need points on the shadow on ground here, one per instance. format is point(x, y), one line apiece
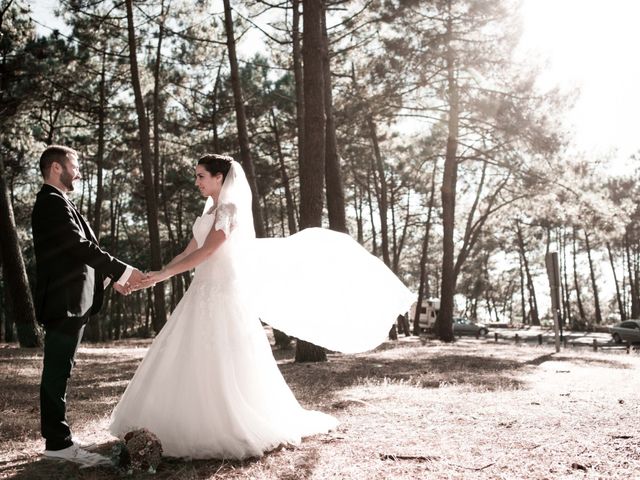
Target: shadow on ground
point(170, 468)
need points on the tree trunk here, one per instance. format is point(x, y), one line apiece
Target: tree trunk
point(383, 197)
point(533, 301)
point(160, 316)
point(523, 303)
point(424, 254)
point(444, 324)
point(371, 219)
point(298, 76)
point(575, 279)
point(594, 284)
point(291, 216)
point(13, 268)
point(357, 208)
point(333, 170)
point(400, 242)
point(241, 120)
point(623, 317)
point(102, 114)
point(156, 101)
point(565, 287)
point(312, 160)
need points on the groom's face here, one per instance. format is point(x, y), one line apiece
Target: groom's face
point(70, 172)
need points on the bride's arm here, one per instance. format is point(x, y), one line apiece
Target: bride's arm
point(193, 245)
point(195, 257)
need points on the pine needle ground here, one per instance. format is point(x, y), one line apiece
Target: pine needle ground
point(409, 410)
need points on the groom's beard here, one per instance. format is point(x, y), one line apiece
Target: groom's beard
point(66, 179)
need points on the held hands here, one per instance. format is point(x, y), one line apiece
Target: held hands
point(154, 277)
point(139, 280)
point(151, 278)
point(135, 278)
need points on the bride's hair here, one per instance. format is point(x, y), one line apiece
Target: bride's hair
point(214, 164)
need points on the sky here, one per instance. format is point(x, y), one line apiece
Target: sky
point(592, 45)
point(588, 45)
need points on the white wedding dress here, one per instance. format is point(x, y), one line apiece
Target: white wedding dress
point(209, 386)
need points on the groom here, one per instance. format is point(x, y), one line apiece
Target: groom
point(72, 272)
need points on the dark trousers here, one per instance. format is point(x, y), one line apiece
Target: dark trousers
point(60, 345)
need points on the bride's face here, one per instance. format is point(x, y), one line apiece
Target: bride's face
point(209, 185)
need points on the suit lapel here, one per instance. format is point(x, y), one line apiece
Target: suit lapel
point(80, 221)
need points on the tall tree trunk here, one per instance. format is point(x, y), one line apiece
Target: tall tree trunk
point(13, 268)
point(533, 301)
point(241, 120)
point(615, 281)
point(383, 205)
point(358, 210)
point(444, 322)
point(312, 160)
point(102, 114)
point(400, 242)
point(298, 76)
point(371, 219)
point(523, 303)
point(156, 101)
point(424, 254)
point(214, 110)
point(291, 216)
point(594, 284)
point(333, 170)
point(160, 316)
point(566, 299)
point(575, 278)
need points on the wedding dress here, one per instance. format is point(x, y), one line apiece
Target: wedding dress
point(209, 386)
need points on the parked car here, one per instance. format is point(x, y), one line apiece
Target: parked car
point(464, 326)
point(627, 331)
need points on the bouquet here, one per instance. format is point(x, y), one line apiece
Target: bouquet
point(141, 451)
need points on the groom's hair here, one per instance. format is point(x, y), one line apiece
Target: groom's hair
point(54, 153)
point(215, 164)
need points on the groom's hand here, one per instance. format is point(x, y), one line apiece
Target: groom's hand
point(135, 279)
point(121, 289)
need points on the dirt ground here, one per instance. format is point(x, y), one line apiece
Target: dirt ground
point(409, 410)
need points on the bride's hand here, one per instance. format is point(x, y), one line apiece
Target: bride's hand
point(149, 280)
point(154, 277)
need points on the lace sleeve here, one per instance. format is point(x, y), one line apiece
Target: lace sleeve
point(225, 218)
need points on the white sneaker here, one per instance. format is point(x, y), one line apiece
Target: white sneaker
point(83, 444)
point(78, 455)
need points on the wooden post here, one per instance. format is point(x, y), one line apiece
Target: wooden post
point(564, 341)
point(495, 336)
point(539, 339)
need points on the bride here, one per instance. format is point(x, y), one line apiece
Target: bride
point(209, 386)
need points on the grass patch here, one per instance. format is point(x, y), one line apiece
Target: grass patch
point(470, 410)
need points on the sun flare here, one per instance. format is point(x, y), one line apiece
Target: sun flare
point(591, 45)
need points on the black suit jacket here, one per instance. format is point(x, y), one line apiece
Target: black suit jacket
point(70, 266)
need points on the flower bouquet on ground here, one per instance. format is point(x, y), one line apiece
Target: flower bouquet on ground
point(141, 451)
